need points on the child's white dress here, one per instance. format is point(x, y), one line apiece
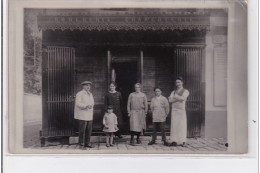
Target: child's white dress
point(110, 123)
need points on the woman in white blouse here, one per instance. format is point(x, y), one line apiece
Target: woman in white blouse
point(178, 99)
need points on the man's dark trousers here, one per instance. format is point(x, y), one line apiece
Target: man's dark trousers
point(85, 130)
point(162, 128)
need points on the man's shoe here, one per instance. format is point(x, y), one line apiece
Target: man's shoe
point(89, 146)
point(166, 143)
point(138, 141)
point(173, 144)
point(81, 147)
point(151, 143)
point(132, 142)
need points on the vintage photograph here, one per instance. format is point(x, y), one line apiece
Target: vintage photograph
point(122, 80)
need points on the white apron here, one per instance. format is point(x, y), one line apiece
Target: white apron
point(179, 119)
point(178, 126)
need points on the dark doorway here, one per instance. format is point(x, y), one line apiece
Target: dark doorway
point(126, 77)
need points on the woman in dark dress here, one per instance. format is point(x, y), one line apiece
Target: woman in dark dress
point(114, 98)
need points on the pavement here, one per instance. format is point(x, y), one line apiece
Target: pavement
point(32, 126)
point(194, 145)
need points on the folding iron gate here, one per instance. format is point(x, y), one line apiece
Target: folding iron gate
point(58, 68)
point(188, 64)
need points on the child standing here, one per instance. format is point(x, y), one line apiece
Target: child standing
point(110, 125)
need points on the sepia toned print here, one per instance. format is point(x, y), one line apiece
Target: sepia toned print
point(161, 72)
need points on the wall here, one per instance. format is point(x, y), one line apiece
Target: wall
point(149, 76)
point(158, 71)
point(164, 71)
point(238, 81)
point(91, 64)
point(215, 77)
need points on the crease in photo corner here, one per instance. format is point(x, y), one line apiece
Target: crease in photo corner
point(208, 132)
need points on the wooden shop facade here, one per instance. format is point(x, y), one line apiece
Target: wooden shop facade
point(150, 46)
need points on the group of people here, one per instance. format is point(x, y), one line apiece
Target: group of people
point(137, 108)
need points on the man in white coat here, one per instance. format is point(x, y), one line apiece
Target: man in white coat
point(83, 112)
